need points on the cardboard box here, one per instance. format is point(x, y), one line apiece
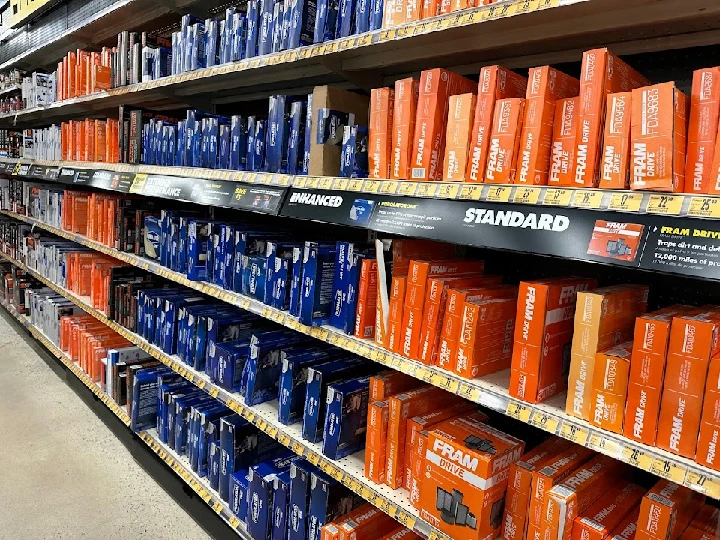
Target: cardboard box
point(609, 387)
point(543, 334)
point(391, 382)
point(659, 135)
point(403, 128)
point(693, 342)
point(457, 138)
point(577, 492)
point(706, 520)
point(602, 73)
point(647, 371)
point(627, 529)
point(616, 142)
point(519, 492)
point(701, 163)
point(367, 525)
point(604, 318)
point(436, 87)
point(380, 132)
point(709, 432)
point(505, 141)
point(366, 309)
point(376, 440)
point(609, 511)
point(666, 510)
point(562, 159)
point(329, 105)
point(458, 451)
point(545, 86)
point(495, 83)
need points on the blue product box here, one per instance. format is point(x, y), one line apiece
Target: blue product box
point(345, 20)
point(253, 276)
point(211, 42)
point(204, 142)
point(213, 131)
point(183, 419)
point(277, 24)
point(296, 140)
point(223, 147)
point(213, 245)
point(259, 143)
point(326, 20)
point(151, 237)
point(238, 498)
point(248, 242)
point(293, 377)
point(342, 254)
point(354, 152)
point(260, 491)
point(239, 37)
point(308, 134)
point(238, 143)
point(224, 328)
point(351, 296)
point(265, 26)
point(172, 145)
point(362, 15)
point(175, 53)
point(170, 317)
point(253, 19)
point(295, 289)
point(188, 325)
point(376, 14)
point(280, 284)
point(185, 25)
point(180, 144)
point(200, 417)
point(167, 384)
point(275, 251)
point(281, 499)
point(231, 358)
point(227, 255)
point(214, 465)
point(250, 154)
point(278, 133)
point(263, 366)
point(192, 394)
point(319, 377)
point(330, 126)
point(197, 46)
point(300, 472)
point(302, 25)
point(209, 431)
point(329, 500)
point(198, 234)
point(233, 431)
point(286, 24)
point(144, 399)
point(199, 354)
point(346, 418)
point(317, 280)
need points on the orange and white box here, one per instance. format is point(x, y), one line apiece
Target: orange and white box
point(391, 382)
point(562, 160)
point(463, 491)
point(519, 492)
point(616, 142)
point(702, 131)
point(495, 83)
point(369, 524)
point(395, 316)
point(403, 128)
point(401, 533)
point(543, 334)
point(647, 371)
point(380, 132)
point(659, 136)
point(609, 387)
point(693, 342)
point(604, 318)
point(366, 300)
point(376, 440)
point(609, 511)
point(577, 492)
point(485, 343)
point(627, 528)
point(505, 141)
point(457, 138)
point(666, 510)
point(707, 450)
point(615, 240)
point(707, 521)
point(405, 250)
point(436, 87)
point(602, 73)
point(545, 86)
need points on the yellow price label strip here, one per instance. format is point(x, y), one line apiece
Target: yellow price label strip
point(448, 191)
point(527, 194)
point(471, 191)
point(702, 483)
point(636, 457)
point(601, 443)
point(519, 411)
point(427, 189)
point(557, 197)
point(545, 421)
point(669, 205)
point(668, 469)
point(312, 182)
point(576, 434)
point(355, 185)
point(498, 193)
point(625, 202)
point(389, 187)
point(704, 207)
point(325, 182)
point(371, 186)
point(585, 198)
point(407, 189)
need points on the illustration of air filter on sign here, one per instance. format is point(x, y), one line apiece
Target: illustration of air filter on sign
point(615, 240)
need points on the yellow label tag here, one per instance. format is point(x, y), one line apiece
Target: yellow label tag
point(576, 434)
point(340, 184)
point(527, 194)
point(448, 191)
point(234, 522)
point(389, 187)
point(471, 191)
point(545, 4)
point(498, 193)
point(407, 188)
point(355, 184)
point(704, 207)
point(524, 6)
point(545, 421)
point(312, 182)
point(299, 181)
point(138, 183)
point(407, 520)
point(585, 198)
point(626, 202)
point(371, 186)
point(669, 205)
point(427, 189)
point(363, 40)
point(325, 182)
point(703, 484)
point(668, 469)
point(519, 411)
point(601, 443)
point(313, 458)
point(636, 457)
point(557, 197)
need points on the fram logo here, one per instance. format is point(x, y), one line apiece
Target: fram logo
point(448, 451)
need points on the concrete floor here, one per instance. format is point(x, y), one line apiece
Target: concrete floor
point(64, 473)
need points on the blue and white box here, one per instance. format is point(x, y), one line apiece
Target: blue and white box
point(302, 26)
point(354, 152)
point(329, 499)
point(318, 271)
point(238, 143)
point(296, 140)
point(260, 493)
point(281, 500)
point(300, 472)
point(253, 19)
point(346, 418)
point(238, 499)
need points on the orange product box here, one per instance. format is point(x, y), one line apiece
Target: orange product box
point(403, 127)
point(100, 78)
point(519, 492)
point(609, 511)
point(436, 87)
point(80, 140)
point(700, 162)
point(505, 141)
point(693, 342)
point(706, 453)
point(495, 83)
point(418, 467)
point(430, 8)
point(391, 382)
point(545, 86)
point(602, 73)
point(627, 528)
point(564, 502)
point(405, 250)
point(466, 477)
point(666, 510)
point(81, 72)
point(71, 76)
point(616, 142)
point(64, 141)
point(647, 371)
point(609, 387)
point(706, 521)
point(79, 214)
point(380, 132)
point(88, 150)
point(615, 240)
point(659, 134)
point(562, 162)
point(366, 299)
point(543, 332)
point(403, 406)
point(59, 91)
point(366, 525)
point(604, 318)
point(100, 144)
point(401, 533)
point(457, 138)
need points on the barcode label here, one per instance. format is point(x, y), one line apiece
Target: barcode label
point(418, 173)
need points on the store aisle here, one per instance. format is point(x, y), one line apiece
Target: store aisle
point(64, 473)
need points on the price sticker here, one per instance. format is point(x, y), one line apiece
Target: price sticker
point(625, 202)
point(546, 4)
point(325, 182)
point(602, 444)
point(669, 205)
point(704, 207)
point(426, 189)
point(519, 411)
point(557, 197)
point(545, 421)
point(407, 520)
point(389, 187)
point(355, 185)
point(443, 381)
point(299, 181)
point(527, 195)
point(471, 191)
point(668, 469)
point(576, 434)
point(407, 189)
point(340, 184)
point(525, 6)
point(585, 198)
point(283, 439)
point(234, 522)
point(214, 392)
point(448, 191)
point(498, 193)
point(313, 182)
point(297, 448)
point(371, 186)
point(702, 483)
point(637, 458)
point(217, 507)
point(423, 373)
point(313, 458)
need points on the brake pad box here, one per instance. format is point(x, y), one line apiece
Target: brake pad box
point(466, 476)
